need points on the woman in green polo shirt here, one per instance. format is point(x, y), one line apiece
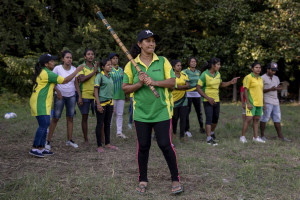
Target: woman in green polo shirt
point(148, 111)
point(208, 86)
point(104, 91)
point(41, 99)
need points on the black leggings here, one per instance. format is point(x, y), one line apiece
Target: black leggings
point(105, 118)
point(197, 105)
point(211, 112)
point(182, 113)
point(163, 137)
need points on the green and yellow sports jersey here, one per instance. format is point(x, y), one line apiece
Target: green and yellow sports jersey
point(106, 86)
point(117, 77)
point(193, 78)
point(255, 88)
point(179, 96)
point(87, 87)
point(146, 107)
point(210, 85)
point(42, 95)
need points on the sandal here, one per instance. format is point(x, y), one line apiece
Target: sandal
point(141, 188)
point(177, 189)
point(111, 147)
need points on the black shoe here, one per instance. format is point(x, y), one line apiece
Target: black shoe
point(212, 142)
point(213, 136)
point(202, 130)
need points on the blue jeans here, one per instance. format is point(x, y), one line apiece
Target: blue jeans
point(272, 111)
point(130, 111)
point(70, 103)
point(41, 133)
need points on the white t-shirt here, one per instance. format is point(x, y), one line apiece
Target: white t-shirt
point(271, 97)
point(68, 89)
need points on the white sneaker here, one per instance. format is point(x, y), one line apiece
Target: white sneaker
point(71, 143)
point(264, 138)
point(243, 139)
point(48, 145)
point(258, 139)
point(187, 133)
point(130, 126)
point(121, 135)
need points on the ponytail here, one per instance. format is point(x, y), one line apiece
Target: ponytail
point(209, 63)
point(37, 70)
point(135, 50)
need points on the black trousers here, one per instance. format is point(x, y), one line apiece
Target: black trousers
point(163, 137)
point(103, 119)
point(197, 105)
point(211, 112)
point(182, 113)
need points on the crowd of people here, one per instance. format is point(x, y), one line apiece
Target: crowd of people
point(104, 86)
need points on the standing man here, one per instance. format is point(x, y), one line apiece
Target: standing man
point(117, 74)
point(271, 88)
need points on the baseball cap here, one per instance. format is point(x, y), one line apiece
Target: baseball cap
point(144, 34)
point(273, 66)
point(46, 58)
point(111, 55)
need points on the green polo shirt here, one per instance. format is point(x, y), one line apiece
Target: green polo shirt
point(193, 77)
point(146, 107)
point(106, 87)
point(210, 84)
point(117, 77)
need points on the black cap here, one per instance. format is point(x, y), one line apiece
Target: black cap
point(273, 66)
point(46, 58)
point(146, 34)
point(111, 55)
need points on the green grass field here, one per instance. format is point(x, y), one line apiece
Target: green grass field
point(231, 170)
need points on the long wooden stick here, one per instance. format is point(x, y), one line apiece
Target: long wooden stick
point(124, 49)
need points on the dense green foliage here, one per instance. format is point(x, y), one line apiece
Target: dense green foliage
point(237, 31)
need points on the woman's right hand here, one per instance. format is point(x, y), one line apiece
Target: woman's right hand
point(249, 106)
point(99, 108)
point(211, 101)
point(142, 76)
point(244, 105)
point(80, 102)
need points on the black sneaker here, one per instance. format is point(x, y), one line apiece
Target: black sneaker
point(46, 152)
point(202, 130)
point(213, 136)
point(36, 154)
point(212, 142)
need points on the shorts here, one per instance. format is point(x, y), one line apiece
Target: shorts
point(70, 103)
point(85, 107)
point(271, 111)
point(255, 111)
point(211, 112)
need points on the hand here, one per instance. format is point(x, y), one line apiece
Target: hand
point(58, 94)
point(80, 102)
point(244, 105)
point(234, 80)
point(148, 81)
point(211, 101)
point(142, 76)
point(80, 68)
point(249, 106)
point(96, 67)
point(100, 108)
point(273, 88)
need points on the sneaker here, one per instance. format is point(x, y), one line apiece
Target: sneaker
point(202, 130)
point(48, 145)
point(285, 139)
point(173, 145)
point(187, 133)
point(121, 135)
point(46, 152)
point(243, 139)
point(36, 153)
point(258, 139)
point(264, 138)
point(130, 126)
point(71, 143)
point(213, 136)
point(212, 142)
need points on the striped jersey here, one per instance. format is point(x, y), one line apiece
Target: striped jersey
point(146, 107)
point(210, 84)
point(42, 94)
point(87, 87)
point(117, 77)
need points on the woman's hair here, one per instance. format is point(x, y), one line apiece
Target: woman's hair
point(254, 64)
point(190, 59)
point(88, 49)
point(174, 62)
point(103, 62)
point(37, 70)
point(135, 50)
point(64, 53)
point(209, 63)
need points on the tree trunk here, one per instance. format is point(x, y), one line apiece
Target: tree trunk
point(234, 93)
point(299, 92)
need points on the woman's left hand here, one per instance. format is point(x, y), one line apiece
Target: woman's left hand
point(149, 81)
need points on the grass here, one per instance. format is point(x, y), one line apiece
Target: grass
point(230, 170)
